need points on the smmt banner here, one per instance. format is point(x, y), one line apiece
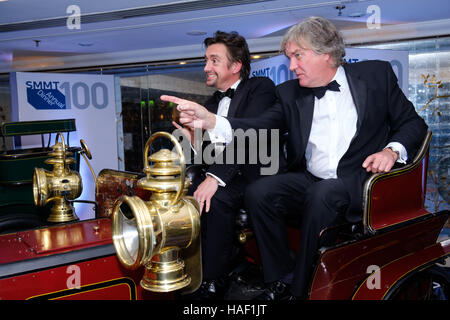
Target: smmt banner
point(90, 99)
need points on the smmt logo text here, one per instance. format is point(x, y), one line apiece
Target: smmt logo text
point(52, 85)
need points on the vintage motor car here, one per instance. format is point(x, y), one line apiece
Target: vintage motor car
point(144, 240)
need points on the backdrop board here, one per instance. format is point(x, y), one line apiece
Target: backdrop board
point(90, 99)
point(277, 68)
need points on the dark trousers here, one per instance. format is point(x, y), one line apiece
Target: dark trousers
point(218, 227)
point(272, 201)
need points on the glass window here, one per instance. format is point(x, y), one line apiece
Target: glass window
point(143, 113)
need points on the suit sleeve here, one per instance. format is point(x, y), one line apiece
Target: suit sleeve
point(406, 126)
point(271, 118)
point(261, 97)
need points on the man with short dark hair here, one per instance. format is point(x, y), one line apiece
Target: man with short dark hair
point(220, 194)
point(345, 121)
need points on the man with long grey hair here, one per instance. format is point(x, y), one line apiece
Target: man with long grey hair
point(345, 121)
point(321, 35)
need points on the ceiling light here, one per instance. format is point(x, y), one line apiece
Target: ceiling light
point(356, 14)
point(256, 56)
point(196, 33)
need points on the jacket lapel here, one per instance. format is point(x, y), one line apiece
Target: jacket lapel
point(358, 90)
point(238, 94)
point(305, 104)
point(212, 105)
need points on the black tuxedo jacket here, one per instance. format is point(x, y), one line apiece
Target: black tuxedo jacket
point(251, 98)
point(384, 115)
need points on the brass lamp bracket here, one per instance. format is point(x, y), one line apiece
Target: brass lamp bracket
point(161, 234)
point(59, 185)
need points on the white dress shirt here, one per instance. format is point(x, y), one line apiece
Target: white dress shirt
point(333, 127)
point(222, 111)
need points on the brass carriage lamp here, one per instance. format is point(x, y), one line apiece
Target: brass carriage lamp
point(161, 234)
point(59, 185)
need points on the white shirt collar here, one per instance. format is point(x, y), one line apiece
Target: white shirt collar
point(234, 85)
point(340, 78)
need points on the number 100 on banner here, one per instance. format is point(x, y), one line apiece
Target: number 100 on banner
point(44, 95)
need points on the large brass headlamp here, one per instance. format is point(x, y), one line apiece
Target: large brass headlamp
point(163, 233)
point(59, 185)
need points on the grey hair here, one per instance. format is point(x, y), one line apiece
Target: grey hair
point(321, 35)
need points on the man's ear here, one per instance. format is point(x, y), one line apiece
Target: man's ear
point(236, 67)
point(328, 59)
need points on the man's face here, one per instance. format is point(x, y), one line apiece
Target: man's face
point(220, 72)
point(312, 69)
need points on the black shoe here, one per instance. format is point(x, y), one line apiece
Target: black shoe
point(277, 290)
point(208, 290)
point(246, 284)
point(242, 289)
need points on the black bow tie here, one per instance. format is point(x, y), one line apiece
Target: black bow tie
point(319, 92)
point(219, 94)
